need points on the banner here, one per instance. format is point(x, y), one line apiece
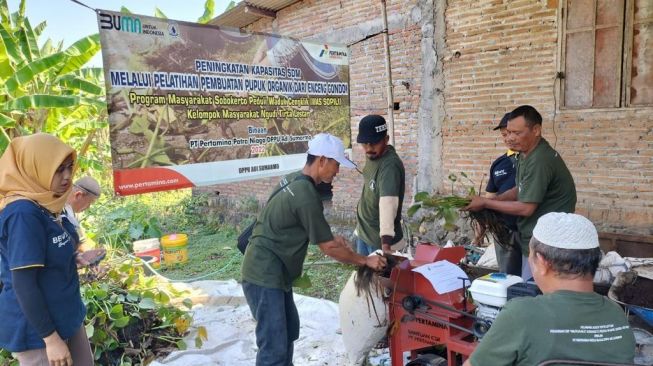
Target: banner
point(193, 105)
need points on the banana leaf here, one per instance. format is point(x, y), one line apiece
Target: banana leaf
point(6, 121)
point(31, 70)
point(209, 8)
point(42, 101)
point(80, 53)
point(10, 45)
point(73, 82)
point(27, 41)
point(4, 12)
point(159, 14)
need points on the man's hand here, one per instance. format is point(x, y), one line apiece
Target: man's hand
point(90, 257)
point(57, 351)
point(477, 204)
point(376, 262)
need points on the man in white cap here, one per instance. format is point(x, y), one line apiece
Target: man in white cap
point(85, 192)
point(569, 321)
point(292, 219)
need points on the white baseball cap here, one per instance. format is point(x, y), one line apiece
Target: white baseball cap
point(566, 231)
point(329, 146)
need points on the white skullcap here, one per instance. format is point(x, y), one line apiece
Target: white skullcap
point(566, 231)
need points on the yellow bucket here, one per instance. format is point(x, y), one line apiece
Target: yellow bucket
point(175, 249)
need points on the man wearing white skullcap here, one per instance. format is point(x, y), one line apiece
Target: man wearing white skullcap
point(569, 321)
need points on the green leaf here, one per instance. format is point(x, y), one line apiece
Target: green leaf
point(136, 230)
point(421, 196)
point(38, 30)
point(181, 345)
point(4, 12)
point(188, 303)
point(209, 8)
point(303, 282)
point(162, 298)
point(27, 41)
point(121, 322)
point(124, 10)
point(6, 121)
point(159, 14)
point(147, 303)
point(413, 209)
point(116, 311)
point(80, 52)
point(11, 46)
point(90, 330)
point(450, 215)
point(72, 82)
point(41, 101)
point(28, 72)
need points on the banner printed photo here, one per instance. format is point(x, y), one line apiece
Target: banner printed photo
point(192, 104)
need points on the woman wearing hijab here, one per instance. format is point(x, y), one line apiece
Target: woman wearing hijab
point(41, 309)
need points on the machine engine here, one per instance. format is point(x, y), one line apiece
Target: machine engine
point(490, 294)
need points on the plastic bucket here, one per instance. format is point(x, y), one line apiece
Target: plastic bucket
point(155, 254)
point(175, 249)
point(148, 248)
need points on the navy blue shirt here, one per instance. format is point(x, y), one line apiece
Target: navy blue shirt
point(30, 237)
point(502, 178)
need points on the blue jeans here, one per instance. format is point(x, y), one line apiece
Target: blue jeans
point(363, 248)
point(277, 323)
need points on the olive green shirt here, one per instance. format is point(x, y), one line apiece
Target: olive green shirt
point(277, 248)
point(382, 177)
point(564, 325)
point(543, 178)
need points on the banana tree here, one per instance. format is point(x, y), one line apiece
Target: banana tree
point(47, 88)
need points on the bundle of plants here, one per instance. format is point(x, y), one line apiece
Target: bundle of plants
point(132, 318)
point(367, 283)
point(448, 208)
point(493, 224)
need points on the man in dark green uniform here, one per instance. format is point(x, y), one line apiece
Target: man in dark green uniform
point(274, 258)
point(544, 184)
point(379, 208)
point(570, 321)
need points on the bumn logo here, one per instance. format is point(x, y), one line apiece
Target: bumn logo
point(123, 23)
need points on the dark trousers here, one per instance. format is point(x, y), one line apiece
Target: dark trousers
point(509, 255)
point(277, 323)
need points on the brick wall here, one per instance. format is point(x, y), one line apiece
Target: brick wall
point(308, 19)
point(501, 54)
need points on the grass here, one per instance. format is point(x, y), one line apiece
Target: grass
point(212, 255)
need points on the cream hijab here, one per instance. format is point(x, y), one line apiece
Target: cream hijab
point(27, 168)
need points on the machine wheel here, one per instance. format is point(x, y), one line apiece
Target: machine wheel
point(481, 327)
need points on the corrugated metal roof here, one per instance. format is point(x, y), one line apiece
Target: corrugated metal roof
point(241, 15)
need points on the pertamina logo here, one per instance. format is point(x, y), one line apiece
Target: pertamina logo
point(332, 53)
point(123, 23)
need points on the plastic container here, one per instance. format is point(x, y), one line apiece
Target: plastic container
point(148, 248)
point(492, 289)
point(175, 249)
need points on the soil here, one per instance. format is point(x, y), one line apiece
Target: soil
point(639, 293)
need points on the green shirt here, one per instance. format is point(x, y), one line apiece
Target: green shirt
point(290, 220)
point(384, 176)
point(543, 178)
point(563, 325)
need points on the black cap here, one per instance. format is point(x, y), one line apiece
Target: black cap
point(371, 129)
point(504, 122)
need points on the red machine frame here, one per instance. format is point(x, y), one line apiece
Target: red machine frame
point(422, 318)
